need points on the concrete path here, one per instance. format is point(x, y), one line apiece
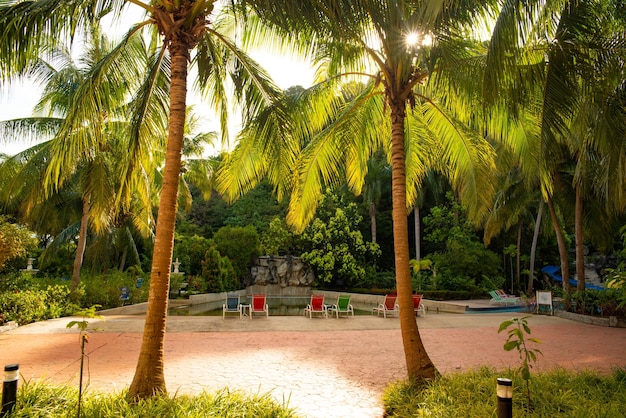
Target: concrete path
point(321, 367)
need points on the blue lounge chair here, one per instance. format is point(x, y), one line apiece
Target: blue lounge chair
point(232, 305)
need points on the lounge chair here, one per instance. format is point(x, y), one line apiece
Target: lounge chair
point(418, 306)
point(258, 305)
point(342, 306)
point(503, 294)
point(388, 308)
point(495, 297)
point(316, 306)
point(232, 305)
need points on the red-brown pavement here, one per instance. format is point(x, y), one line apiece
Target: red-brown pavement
point(321, 367)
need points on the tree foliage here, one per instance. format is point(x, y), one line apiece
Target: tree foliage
point(217, 272)
point(241, 245)
point(334, 246)
point(15, 241)
point(190, 251)
point(461, 261)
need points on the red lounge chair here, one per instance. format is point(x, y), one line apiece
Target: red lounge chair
point(258, 305)
point(316, 307)
point(418, 306)
point(388, 308)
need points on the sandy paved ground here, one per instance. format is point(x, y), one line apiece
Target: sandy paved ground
point(322, 367)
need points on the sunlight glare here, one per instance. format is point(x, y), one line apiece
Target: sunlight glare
point(412, 38)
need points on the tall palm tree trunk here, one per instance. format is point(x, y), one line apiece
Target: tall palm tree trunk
point(560, 244)
point(578, 232)
point(149, 377)
point(373, 228)
point(418, 363)
point(533, 250)
point(518, 257)
point(418, 243)
point(81, 245)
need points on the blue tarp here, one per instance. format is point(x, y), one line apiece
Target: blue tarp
point(552, 270)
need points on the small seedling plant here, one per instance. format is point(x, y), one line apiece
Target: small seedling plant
point(518, 332)
point(83, 326)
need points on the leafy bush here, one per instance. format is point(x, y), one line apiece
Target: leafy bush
point(24, 306)
point(104, 289)
point(32, 305)
point(15, 241)
point(333, 245)
point(592, 302)
point(58, 301)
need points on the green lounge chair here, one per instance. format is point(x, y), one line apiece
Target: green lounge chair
point(495, 297)
point(342, 306)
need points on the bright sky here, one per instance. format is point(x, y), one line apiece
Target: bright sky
point(19, 99)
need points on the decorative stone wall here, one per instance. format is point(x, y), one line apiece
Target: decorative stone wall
point(283, 270)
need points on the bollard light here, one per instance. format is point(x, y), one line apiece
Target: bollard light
point(9, 388)
point(505, 398)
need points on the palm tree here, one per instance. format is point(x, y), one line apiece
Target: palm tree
point(182, 28)
point(572, 53)
point(377, 172)
point(91, 184)
point(400, 110)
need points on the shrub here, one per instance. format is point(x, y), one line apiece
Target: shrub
point(104, 289)
point(24, 306)
point(597, 302)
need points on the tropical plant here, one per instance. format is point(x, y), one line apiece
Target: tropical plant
point(218, 272)
point(406, 108)
point(517, 330)
point(178, 29)
point(564, 63)
point(81, 202)
point(83, 326)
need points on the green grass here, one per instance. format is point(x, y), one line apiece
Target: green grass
point(557, 393)
point(36, 399)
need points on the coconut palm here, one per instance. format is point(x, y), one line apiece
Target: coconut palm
point(572, 53)
point(405, 109)
point(88, 187)
point(188, 32)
